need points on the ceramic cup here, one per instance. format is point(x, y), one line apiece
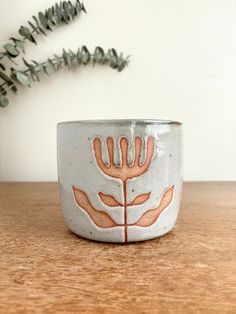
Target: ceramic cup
point(120, 180)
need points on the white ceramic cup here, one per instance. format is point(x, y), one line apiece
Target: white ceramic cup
point(120, 180)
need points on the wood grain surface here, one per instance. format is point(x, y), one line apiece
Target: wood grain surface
point(47, 269)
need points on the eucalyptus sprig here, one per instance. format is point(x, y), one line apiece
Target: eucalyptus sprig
point(68, 59)
point(61, 13)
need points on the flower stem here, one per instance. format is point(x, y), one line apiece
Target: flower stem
point(125, 210)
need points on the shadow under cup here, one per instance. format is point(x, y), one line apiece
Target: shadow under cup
point(120, 180)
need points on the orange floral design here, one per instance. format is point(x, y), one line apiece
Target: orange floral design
point(123, 172)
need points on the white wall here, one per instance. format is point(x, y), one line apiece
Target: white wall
point(183, 67)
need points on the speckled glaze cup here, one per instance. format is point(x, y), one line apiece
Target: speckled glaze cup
point(120, 180)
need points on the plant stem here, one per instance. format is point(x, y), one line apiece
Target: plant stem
point(39, 67)
point(125, 210)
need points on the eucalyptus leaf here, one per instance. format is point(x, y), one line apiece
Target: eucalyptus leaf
point(73, 57)
point(36, 20)
point(83, 8)
point(58, 13)
point(2, 91)
point(80, 6)
point(44, 68)
point(5, 77)
point(49, 68)
point(22, 78)
point(66, 9)
point(53, 67)
point(33, 40)
point(43, 19)
point(18, 43)
point(11, 50)
point(26, 63)
point(32, 69)
point(25, 32)
point(20, 46)
point(14, 89)
point(58, 62)
point(49, 14)
point(66, 58)
point(3, 101)
point(72, 9)
point(10, 58)
point(42, 31)
point(98, 55)
point(34, 28)
point(64, 18)
point(2, 67)
point(38, 66)
point(85, 55)
point(34, 72)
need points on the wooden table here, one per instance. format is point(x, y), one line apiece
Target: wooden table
point(47, 269)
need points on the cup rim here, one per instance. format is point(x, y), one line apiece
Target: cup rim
point(123, 122)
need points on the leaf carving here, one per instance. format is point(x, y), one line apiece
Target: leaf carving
point(100, 218)
point(150, 217)
point(109, 200)
point(140, 199)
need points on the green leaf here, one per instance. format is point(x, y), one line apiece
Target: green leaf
point(2, 67)
point(2, 90)
point(83, 8)
point(45, 69)
point(49, 13)
point(25, 32)
point(14, 89)
point(39, 67)
point(33, 40)
point(22, 78)
point(42, 31)
point(42, 19)
point(33, 72)
point(73, 57)
point(18, 43)
point(51, 65)
point(73, 11)
point(98, 55)
point(10, 58)
point(2, 54)
point(26, 63)
point(80, 7)
point(64, 19)
point(11, 50)
point(66, 58)
point(85, 55)
point(66, 8)
point(58, 62)
point(3, 101)
point(5, 77)
point(36, 20)
point(113, 59)
point(35, 29)
point(58, 13)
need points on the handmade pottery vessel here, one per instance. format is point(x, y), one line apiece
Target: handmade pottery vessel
point(120, 180)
